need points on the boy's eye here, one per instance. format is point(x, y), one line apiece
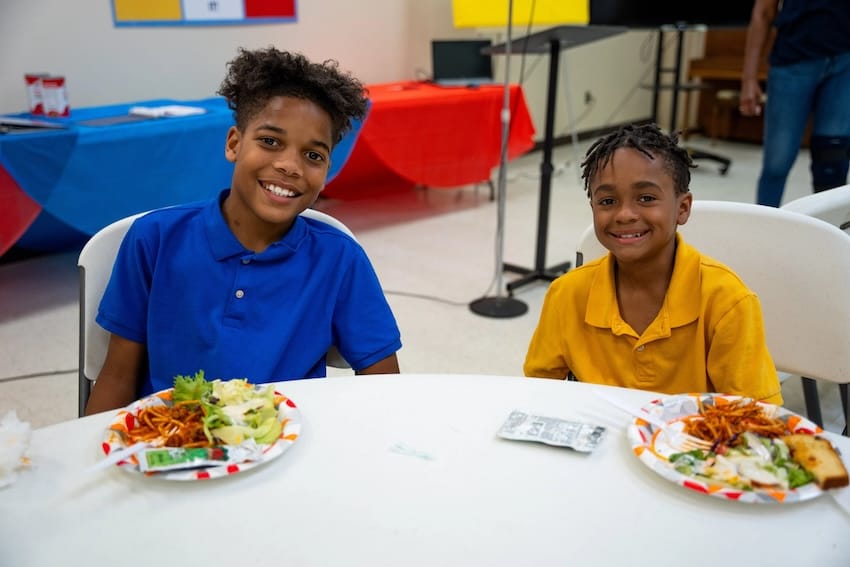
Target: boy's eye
point(646, 198)
point(606, 201)
point(268, 141)
point(315, 156)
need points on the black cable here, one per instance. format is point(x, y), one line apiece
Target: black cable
point(427, 297)
point(38, 375)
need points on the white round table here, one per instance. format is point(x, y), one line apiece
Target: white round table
point(406, 470)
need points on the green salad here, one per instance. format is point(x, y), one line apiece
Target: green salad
point(234, 410)
point(755, 462)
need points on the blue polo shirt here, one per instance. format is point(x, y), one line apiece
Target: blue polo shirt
point(185, 287)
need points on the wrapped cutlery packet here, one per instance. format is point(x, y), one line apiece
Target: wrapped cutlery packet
point(176, 458)
point(582, 437)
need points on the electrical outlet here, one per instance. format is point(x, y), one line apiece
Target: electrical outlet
point(588, 97)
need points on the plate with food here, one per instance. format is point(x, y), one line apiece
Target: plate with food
point(750, 451)
point(203, 429)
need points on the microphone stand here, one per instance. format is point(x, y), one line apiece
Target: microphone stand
point(500, 305)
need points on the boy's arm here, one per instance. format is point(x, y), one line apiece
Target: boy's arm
point(544, 357)
point(738, 359)
point(118, 379)
point(389, 365)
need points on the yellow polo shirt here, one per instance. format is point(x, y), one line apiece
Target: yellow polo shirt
point(707, 337)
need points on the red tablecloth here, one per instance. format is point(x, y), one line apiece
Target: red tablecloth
point(17, 210)
point(423, 134)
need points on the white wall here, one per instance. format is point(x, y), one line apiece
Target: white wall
point(378, 40)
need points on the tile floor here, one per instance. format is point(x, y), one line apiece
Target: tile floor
point(434, 251)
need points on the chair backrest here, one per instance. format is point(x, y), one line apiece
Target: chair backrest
point(95, 268)
point(798, 265)
point(832, 206)
point(327, 219)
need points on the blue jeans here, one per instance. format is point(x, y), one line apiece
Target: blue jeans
point(821, 88)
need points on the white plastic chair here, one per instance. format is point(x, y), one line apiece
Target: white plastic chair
point(832, 206)
point(95, 268)
point(800, 268)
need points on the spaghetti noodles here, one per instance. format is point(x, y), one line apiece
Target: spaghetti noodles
point(181, 425)
point(723, 424)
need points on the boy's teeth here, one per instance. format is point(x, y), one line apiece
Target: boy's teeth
point(280, 191)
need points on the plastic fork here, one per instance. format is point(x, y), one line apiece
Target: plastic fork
point(119, 455)
point(676, 438)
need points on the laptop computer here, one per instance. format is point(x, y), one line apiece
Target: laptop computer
point(17, 124)
point(459, 62)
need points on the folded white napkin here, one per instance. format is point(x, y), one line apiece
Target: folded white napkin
point(166, 111)
point(14, 442)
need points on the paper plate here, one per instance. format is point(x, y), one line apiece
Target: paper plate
point(125, 421)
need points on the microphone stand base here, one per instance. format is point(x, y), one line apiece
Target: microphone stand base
point(501, 307)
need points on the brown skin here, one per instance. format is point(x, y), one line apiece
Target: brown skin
point(388, 365)
point(286, 145)
point(758, 33)
point(636, 210)
point(116, 384)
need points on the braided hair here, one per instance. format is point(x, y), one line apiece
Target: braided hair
point(255, 77)
point(649, 140)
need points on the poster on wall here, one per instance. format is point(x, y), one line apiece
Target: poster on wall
point(201, 12)
point(494, 13)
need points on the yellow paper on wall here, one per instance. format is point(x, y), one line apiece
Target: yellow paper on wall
point(142, 10)
point(494, 13)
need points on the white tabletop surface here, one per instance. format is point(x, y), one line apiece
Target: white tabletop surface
point(406, 470)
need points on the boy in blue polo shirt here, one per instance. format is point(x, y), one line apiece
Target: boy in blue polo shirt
point(241, 286)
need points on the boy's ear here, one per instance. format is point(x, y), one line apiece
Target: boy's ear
point(231, 144)
point(685, 202)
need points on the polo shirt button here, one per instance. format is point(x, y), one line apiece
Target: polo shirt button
point(246, 260)
point(641, 347)
point(240, 294)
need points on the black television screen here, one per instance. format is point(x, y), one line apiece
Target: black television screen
point(655, 13)
point(460, 59)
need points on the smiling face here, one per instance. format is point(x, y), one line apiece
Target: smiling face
point(281, 160)
point(636, 208)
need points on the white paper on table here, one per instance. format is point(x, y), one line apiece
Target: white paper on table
point(14, 442)
point(166, 111)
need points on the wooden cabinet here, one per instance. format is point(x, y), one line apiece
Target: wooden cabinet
point(720, 69)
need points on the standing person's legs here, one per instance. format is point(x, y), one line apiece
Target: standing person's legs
point(830, 145)
point(790, 91)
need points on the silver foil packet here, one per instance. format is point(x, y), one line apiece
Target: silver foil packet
point(582, 437)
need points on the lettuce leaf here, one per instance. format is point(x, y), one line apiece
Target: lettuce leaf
point(187, 388)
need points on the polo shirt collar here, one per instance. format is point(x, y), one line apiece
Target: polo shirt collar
point(224, 243)
point(681, 304)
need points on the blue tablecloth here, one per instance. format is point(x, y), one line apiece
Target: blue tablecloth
point(87, 176)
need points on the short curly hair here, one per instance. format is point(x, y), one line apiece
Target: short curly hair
point(650, 141)
point(256, 76)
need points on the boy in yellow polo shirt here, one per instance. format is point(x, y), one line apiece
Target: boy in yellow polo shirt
point(654, 314)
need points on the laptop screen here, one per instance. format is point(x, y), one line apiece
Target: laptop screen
point(460, 59)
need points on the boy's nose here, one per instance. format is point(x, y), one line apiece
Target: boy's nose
point(626, 213)
point(288, 163)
